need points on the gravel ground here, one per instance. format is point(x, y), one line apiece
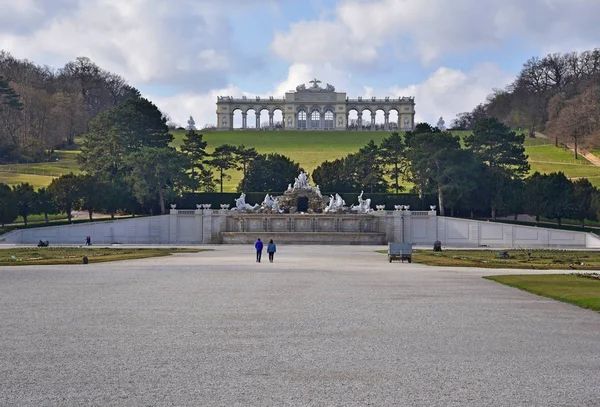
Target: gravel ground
point(322, 326)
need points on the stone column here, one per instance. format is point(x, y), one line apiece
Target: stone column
point(244, 118)
point(398, 228)
point(207, 226)
point(372, 121)
point(257, 120)
point(359, 121)
point(231, 121)
point(271, 124)
point(173, 226)
point(407, 227)
point(386, 116)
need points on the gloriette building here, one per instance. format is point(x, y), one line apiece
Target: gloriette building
point(318, 108)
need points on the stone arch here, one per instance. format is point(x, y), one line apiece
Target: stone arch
point(380, 121)
point(366, 114)
point(251, 115)
point(263, 118)
point(393, 118)
point(353, 118)
point(277, 118)
point(236, 117)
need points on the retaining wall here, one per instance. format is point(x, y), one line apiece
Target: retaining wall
point(207, 226)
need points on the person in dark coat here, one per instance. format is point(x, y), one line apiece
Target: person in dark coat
point(271, 249)
point(259, 248)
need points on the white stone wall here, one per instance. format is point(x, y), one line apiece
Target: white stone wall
point(208, 227)
point(472, 233)
point(146, 230)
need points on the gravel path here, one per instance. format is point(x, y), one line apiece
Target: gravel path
point(322, 326)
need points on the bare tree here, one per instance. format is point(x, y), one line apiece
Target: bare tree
point(579, 119)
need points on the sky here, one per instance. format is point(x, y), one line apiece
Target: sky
point(182, 54)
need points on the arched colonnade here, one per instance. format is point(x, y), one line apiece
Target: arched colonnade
point(317, 108)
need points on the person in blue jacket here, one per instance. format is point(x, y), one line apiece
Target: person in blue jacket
point(271, 249)
point(259, 248)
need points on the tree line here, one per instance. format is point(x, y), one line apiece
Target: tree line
point(42, 108)
point(558, 94)
point(130, 168)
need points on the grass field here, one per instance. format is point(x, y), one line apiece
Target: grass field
point(74, 255)
point(518, 259)
point(547, 158)
point(571, 288)
point(308, 148)
point(37, 181)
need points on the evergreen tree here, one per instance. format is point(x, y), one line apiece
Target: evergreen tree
point(393, 154)
point(8, 205)
point(8, 96)
point(120, 131)
point(560, 195)
point(65, 193)
point(91, 193)
point(270, 173)
point(157, 175)
point(223, 159)
point(366, 167)
point(432, 155)
point(332, 176)
point(535, 191)
point(584, 195)
point(195, 148)
point(25, 198)
point(43, 203)
point(502, 151)
point(244, 156)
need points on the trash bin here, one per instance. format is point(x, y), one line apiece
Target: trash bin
point(437, 246)
point(85, 260)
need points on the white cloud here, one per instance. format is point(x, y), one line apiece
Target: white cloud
point(322, 41)
point(448, 92)
point(143, 40)
point(21, 7)
point(429, 29)
point(202, 106)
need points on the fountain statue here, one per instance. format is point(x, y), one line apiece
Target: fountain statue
point(364, 205)
point(302, 181)
point(241, 205)
point(335, 204)
point(271, 203)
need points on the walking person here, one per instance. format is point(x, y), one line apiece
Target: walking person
point(259, 248)
point(271, 249)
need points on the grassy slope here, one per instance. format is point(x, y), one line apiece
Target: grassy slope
point(583, 292)
point(547, 158)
